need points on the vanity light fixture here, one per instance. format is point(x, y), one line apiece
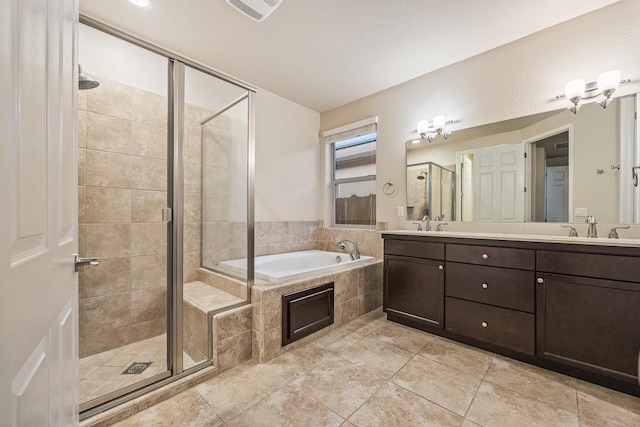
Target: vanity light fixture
point(606, 84)
point(141, 3)
point(437, 127)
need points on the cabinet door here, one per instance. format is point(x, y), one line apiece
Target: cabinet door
point(592, 324)
point(414, 291)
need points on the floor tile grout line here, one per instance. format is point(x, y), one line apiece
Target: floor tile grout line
point(478, 389)
point(424, 398)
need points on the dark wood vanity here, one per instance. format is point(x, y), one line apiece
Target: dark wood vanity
point(573, 308)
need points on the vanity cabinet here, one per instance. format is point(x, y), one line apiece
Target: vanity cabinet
point(489, 300)
point(592, 323)
point(573, 308)
point(414, 284)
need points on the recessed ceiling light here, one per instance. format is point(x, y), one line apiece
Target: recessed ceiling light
point(141, 3)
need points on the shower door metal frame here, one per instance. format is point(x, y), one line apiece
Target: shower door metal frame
point(175, 224)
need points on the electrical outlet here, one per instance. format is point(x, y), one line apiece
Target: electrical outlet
point(581, 212)
point(401, 211)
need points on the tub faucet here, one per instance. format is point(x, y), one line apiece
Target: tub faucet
point(355, 254)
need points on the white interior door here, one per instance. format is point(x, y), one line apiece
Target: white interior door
point(38, 220)
point(557, 194)
point(498, 183)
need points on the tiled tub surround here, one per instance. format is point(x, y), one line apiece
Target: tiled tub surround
point(122, 178)
point(358, 290)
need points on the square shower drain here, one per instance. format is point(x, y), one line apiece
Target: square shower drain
point(137, 367)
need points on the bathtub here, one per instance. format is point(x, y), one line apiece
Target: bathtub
point(293, 265)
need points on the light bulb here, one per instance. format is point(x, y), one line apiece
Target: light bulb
point(423, 127)
point(141, 3)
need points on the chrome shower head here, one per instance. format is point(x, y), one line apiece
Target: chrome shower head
point(85, 82)
point(423, 175)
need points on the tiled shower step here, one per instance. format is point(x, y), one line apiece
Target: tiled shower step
point(206, 298)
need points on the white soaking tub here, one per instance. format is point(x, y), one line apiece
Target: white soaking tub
point(292, 265)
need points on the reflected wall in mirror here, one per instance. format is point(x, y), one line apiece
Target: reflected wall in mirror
point(548, 167)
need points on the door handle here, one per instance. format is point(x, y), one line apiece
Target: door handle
point(79, 262)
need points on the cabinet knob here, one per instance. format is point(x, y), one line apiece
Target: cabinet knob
point(485, 256)
point(485, 286)
point(540, 280)
point(441, 267)
point(485, 324)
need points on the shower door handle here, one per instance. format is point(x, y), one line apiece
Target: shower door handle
point(79, 262)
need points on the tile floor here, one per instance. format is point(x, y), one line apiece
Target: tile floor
point(102, 373)
point(372, 372)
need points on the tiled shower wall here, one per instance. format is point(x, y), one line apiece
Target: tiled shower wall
point(122, 140)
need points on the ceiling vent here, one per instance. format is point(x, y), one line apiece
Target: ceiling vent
point(561, 145)
point(258, 10)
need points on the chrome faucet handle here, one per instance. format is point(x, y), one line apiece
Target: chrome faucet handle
point(572, 231)
point(419, 224)
point(439, 226)
point(613, 234)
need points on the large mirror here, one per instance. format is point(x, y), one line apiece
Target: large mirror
point(549, 167)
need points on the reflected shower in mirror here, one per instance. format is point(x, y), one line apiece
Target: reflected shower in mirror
point(548, 167)
point(430, 192)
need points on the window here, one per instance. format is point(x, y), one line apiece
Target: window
point(354, 174)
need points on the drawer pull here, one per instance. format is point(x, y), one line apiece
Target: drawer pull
point(540, 280)
point(441, 267)
point(485, 324)
point(485, 286)
point(485, 256)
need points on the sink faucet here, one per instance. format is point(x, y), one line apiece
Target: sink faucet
point(427, 221)
point(354, 255)
point(592, 231)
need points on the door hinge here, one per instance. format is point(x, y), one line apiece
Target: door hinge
point(167, 214)
point(525, 155)
point(525, 189)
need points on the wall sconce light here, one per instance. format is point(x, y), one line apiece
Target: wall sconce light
point(437, 127)
point(606, 84)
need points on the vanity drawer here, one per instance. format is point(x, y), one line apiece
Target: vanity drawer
point(503, 287)
point(506, 328)
point(524, 259)
point(414, 249)
point(614, 267)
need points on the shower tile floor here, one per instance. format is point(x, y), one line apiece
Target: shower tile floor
point(102, 373)
point(372, 372)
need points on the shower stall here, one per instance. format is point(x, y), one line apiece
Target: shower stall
point(165, 188)
point(430, 192)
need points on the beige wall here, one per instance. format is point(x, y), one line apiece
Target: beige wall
point(288, 174)
point(515, 80)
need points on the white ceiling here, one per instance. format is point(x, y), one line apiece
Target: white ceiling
point(326, 53)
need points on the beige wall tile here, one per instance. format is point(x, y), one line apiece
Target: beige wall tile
point(216, 151)
point(82, 249)
point(148, 141)
point(82, 199)
point(110, 277)
point(148, 174)
point(234, 351)
point(113, 99)
point(146, 206)
point(195, 327)
point(215, 208)
point(191, 266)
point(108, 240)
point(193, 148)
point(192, 207)
point(235, 323)
point(148, 108)
point(191, 236)
point(82, 166)
point(216, 235)
point(108, 133)
point(82, 100)
point(108, 205)
point(107, 312)
point(148, 304)
point(148, 239)
point(148, 271)
point(215, 180)
point(192, 178)
point(108, 169)
point(81, 128)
